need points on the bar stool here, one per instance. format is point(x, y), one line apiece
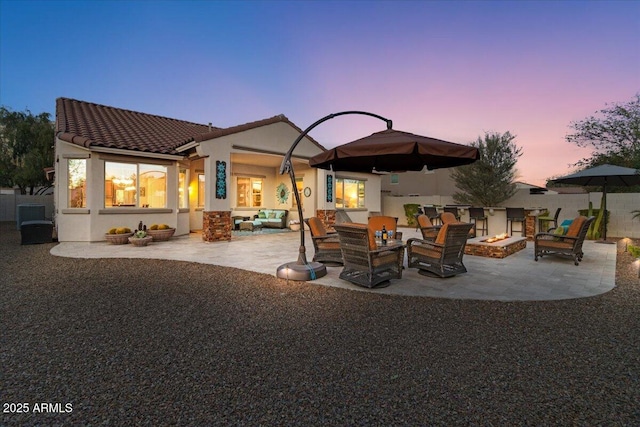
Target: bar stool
point(432, 213)
point(543, 220)
point(478, 216)
point(453, 210)
point(516, 215)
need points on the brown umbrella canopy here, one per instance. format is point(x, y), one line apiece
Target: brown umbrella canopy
point(395, 151)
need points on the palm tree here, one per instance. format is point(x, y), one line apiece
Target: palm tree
point(636, 214)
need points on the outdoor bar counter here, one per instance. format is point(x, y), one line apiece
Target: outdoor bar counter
point(497, 219)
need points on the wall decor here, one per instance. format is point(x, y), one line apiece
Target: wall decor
point(221, 179)
point(282, 193)
point(307, 191)
point(329, 188)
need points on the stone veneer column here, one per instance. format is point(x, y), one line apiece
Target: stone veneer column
point(216, 226)
point(530, 224)
point(328, 217)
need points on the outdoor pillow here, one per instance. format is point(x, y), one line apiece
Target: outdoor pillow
point(262, 215)
point(272, 215)
point(279, 215)
point(566, 222)
point(561, 230)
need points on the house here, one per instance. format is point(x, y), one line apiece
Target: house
point(116, 167)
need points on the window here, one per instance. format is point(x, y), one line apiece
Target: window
point(135, 185)
point(249, 192)
point(349, 193)
point(300, 188)
point(77, 173)
point(183, 189)
point(201, 190)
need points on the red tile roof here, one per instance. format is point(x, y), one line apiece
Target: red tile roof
point(93, 125)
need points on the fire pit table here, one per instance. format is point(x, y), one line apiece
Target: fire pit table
point(495, 246)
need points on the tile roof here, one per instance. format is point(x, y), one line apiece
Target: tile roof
point(93, 125)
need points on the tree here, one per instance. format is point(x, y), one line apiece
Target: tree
point(614, 134)
point(26, 148)
point(490, 180)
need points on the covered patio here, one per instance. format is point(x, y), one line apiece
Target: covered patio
point(514, 278)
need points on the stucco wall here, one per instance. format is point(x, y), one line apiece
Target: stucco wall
point(620, 206)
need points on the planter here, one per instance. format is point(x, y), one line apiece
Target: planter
point(161, 235)
point(118, 239)
point(294, 227)
point(140, 241)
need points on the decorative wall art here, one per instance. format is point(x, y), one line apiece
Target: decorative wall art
point(221, 180)
point(282, 193)
point(329, 188)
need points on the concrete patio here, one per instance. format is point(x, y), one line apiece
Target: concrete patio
point(515, 278)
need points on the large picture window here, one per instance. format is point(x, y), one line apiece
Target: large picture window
point(183, 189)
point(77, 173)
point(135, 185)
point(349, 193)
point(249, 192)
point(201, 189)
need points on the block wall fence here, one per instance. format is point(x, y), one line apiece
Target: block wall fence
point(620, 205)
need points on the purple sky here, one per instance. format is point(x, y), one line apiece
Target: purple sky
point(450, 70)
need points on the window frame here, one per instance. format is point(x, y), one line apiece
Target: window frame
point(250, 194)
point(83, 187)
point(147, 167)
point(360, 189)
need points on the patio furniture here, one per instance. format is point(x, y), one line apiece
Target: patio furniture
point(342, 217)
point(365, 263)
point(428, 230)
point(564, 244)
point(515, 215)
point(442, 257)
point(236, 220)
point(453, 210)
point(389, 222)
point(432, 213)
point(544, 220)
point(326, 245)
point(478, 217)
point(36, 231)
point(250, 225)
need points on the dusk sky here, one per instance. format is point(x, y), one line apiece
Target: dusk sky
point(449, 70)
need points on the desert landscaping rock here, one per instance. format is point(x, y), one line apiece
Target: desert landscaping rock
point(152, 342)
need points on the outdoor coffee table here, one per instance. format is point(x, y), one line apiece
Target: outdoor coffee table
point(249, 225)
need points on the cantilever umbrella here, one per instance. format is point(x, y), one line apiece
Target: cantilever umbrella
point(603, 175)
point(395, 151)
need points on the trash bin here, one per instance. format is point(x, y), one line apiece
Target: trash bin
point(29, 212)
point(34, 232)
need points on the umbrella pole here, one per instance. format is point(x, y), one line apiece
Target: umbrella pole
point(302, 270)
point(604, 215)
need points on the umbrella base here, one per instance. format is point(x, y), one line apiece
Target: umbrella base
point(301, 272)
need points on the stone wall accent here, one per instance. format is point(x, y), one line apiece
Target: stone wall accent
point(328, 218)
point(216, 226)
point(495, 250)
point(530, 224)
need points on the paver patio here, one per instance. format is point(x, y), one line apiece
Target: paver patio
point(515, 278)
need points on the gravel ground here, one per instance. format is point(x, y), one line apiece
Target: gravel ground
point(150, 342)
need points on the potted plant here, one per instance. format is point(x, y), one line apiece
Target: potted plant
point(294, 225)
point(160, 232)
point(118, 235)
point(140, 238)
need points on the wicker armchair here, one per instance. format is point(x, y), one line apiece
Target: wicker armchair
point(568, 244)
point(442, 257)
point(364, 263)
point(326, 245)
point(428, 230)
